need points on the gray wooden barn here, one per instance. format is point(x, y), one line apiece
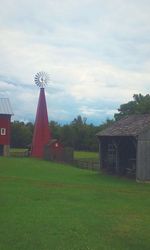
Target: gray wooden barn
point(125, 147)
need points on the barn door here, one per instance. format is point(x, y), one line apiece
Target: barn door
point(1, 150)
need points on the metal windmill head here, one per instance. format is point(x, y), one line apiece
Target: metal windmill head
point(41, 79)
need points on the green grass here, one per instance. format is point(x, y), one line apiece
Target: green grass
point(46, 206)
point(77, 154)
point(15, 150)
point(85, 155)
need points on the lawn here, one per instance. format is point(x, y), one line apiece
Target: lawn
point(86, 155)
point(47, 206)
point(15, 150)
point(77, 154)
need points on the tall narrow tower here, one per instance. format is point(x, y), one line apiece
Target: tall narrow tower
point(42, 134)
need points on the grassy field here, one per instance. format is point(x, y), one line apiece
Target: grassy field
point(77, 154)
point(17, 150)
point(85, 155)
point(46, 206)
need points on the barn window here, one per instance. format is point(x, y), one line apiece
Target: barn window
point(3, 131)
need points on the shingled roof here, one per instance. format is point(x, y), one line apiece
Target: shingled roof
point(132, 125)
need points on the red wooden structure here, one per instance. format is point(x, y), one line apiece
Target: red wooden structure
point(42, 134)
point(54, 150)
point(5, 124)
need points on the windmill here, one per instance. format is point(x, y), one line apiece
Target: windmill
point(41, 134)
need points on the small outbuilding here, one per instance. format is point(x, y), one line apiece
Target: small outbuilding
point(55, 151)
point(125, 147)
point(5, 124)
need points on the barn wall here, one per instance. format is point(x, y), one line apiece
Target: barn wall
point(103, 142)
point(145, 135)
point(143, 157)
point(5, 123)
point(100, 159)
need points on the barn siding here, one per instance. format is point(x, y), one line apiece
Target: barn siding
point(145, 135)
point(143, 160)
point(100, 155)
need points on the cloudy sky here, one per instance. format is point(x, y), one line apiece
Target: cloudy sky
point(97, 53)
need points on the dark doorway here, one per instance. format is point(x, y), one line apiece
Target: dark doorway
point(1, 150)
point(118, 154)
point(127, 154)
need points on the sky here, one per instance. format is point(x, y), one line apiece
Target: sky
point(96, 52)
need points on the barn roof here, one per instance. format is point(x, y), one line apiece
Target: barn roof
point(5, 107)
point(132, 125)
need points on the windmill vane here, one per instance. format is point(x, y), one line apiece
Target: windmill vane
point(41, 79)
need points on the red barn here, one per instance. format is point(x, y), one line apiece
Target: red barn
point(5, 120)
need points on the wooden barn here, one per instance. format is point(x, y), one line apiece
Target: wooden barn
point(5, 122)
point(125, 147)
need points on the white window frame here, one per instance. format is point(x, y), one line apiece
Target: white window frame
point(3, 131)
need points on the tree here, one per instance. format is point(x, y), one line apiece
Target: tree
point(139, 105)
point(55, 129)
point(79, 128)
point(21, 134)
point(67, 136)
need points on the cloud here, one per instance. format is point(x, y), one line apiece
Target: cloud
point(88, 112)
point(96, 52)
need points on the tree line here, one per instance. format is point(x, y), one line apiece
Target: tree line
point(78, 134)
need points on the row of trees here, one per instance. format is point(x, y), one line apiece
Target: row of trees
point(78, 134)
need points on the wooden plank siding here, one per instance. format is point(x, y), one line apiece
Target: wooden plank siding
point(143, 156)
point(143, 160)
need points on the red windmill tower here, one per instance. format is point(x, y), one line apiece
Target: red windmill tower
point(42, 134)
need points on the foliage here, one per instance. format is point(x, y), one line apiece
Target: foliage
point(78, 134)
point(51, 206)
point(21, 134)
point(139, 105)
point(55, 128)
